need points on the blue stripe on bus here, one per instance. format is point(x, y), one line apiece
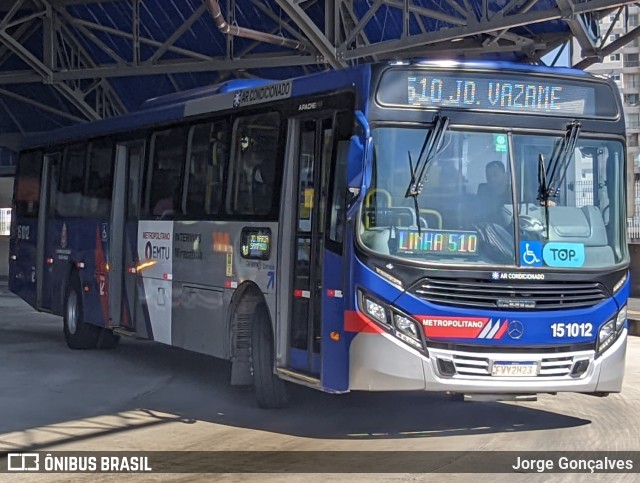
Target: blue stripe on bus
point(537, 323)
point(335, 355)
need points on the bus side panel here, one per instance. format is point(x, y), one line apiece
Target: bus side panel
point(95, 274)
point(77, 245)
point(22, 256)
point(199, 305)
point(207, 268)
point(335, 354)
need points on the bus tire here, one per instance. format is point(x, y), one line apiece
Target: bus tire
point(108, 340)
point(77, 333)
point(271, 391)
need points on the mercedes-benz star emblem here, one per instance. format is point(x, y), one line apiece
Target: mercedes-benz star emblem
point(516, 329)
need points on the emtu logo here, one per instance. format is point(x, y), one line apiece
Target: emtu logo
point(23, 462)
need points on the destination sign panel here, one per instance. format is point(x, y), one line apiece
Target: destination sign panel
point(424, 242)
point(525, 94)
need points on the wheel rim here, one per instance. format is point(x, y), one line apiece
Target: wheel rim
point(72, 312)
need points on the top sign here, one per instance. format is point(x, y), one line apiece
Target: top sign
point(513, 93)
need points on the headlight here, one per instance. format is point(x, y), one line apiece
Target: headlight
point(621, 318)
point(408, 330)
point(406, 326)
point(605, 335)
point(375, 310)
point(400, 325)
point(610, 331)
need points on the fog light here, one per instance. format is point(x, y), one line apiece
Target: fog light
point(446, 367)
point(580, 367)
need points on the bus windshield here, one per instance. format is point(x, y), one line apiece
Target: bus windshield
point(465, 208)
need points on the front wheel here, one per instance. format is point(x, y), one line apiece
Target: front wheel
point(77, 333)
point(271, 391)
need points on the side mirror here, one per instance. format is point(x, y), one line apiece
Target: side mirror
point(355, 162)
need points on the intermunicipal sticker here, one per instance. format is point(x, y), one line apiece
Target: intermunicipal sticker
point(229, 264)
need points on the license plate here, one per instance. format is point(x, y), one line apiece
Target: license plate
point(514, 369)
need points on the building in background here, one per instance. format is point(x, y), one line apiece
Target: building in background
point(623, 66)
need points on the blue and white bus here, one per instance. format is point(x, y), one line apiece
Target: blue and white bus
point(435, 226)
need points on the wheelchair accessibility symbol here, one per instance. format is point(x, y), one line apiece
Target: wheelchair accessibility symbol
point(531, 253)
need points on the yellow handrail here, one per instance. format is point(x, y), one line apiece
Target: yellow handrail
point(367, 201)
point(434, 213)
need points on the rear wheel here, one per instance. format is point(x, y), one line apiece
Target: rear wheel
point(77, 333)
point(271, 391)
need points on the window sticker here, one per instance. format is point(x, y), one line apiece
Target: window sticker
point(563, 254)
point(530, 253)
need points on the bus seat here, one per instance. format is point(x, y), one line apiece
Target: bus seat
point(262, 180)
point(577, 225)
point(376, 239)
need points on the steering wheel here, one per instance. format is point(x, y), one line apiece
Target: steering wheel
point(532, 226)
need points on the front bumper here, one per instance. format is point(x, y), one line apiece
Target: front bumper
point(380, 362)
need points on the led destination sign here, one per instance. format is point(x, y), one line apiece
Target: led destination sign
point(437, 241)
point(256, 243)
point(524, 93)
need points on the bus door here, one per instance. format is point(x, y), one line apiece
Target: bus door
point(45, 248)
point(317, 301)
point(123, 234)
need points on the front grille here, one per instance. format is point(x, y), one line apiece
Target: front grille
point(507, 295)
point(468, 365)
point(503, 349)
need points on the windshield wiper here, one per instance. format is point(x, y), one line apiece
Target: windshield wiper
point(558, 166)
point(430, 149)
point(543, 191)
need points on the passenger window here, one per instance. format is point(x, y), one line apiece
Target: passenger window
point(167, 154)
point(27, 198)
point(100, 179)
point(208, 154)
point(255, 164)
point(69, 201)
point(344, 128)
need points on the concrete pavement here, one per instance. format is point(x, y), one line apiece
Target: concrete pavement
point(146, 396)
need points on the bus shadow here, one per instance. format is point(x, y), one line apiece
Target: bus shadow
point(202, 392)
point(150, 377)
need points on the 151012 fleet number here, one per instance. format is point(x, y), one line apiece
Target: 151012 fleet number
point(571, 329)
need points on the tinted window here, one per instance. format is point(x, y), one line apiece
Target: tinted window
point(208, 153)
point(255, 164)
point(167, 154)
point(100, 180)
point(338, 186)
point(69, 201)
point(27, 190)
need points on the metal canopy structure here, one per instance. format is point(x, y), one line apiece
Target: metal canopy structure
point(69, 61)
